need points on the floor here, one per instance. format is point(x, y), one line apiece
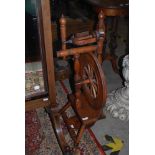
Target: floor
point(109, 125)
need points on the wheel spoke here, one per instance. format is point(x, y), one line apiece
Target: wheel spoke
point(86, 70)
point(94, 92)
point(95, 86)
point(91, 73)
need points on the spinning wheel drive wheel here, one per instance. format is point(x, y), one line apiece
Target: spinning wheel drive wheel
point(92, 99)
point(95, 88)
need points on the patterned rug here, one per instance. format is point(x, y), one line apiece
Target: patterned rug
point(40, 137)
point(33, 78)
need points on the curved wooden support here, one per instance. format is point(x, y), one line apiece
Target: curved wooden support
point(55, 118)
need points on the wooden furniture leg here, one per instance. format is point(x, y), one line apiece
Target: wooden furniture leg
point(113, 44)
point(79, 135)
point(64, 108)
point(101, 28)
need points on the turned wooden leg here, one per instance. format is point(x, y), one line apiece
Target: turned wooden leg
point(79, 135)
point(100, 42)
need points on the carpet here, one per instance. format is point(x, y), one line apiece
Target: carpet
point(34, 82)
point(44, 141)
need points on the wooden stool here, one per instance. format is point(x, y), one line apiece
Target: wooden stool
point(111, 8)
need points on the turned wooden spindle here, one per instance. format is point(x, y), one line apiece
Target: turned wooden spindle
point(77, 50)
point(77, 79)
point(101, 29)
point(101, 24)
point(63, 32)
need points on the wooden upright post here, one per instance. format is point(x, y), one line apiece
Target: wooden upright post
point(63, 32)
point(77, 79)
point(101, 30)
point(46, 18)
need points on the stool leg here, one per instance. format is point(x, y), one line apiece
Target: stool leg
point(113, 35)
point(79, 135)
point(65, 107)
point(113, 44)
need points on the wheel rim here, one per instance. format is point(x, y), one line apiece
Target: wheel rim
point(95, 90)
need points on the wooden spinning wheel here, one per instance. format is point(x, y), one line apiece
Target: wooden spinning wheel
point(89, 97)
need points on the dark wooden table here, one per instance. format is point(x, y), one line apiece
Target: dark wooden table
point(114, 9)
